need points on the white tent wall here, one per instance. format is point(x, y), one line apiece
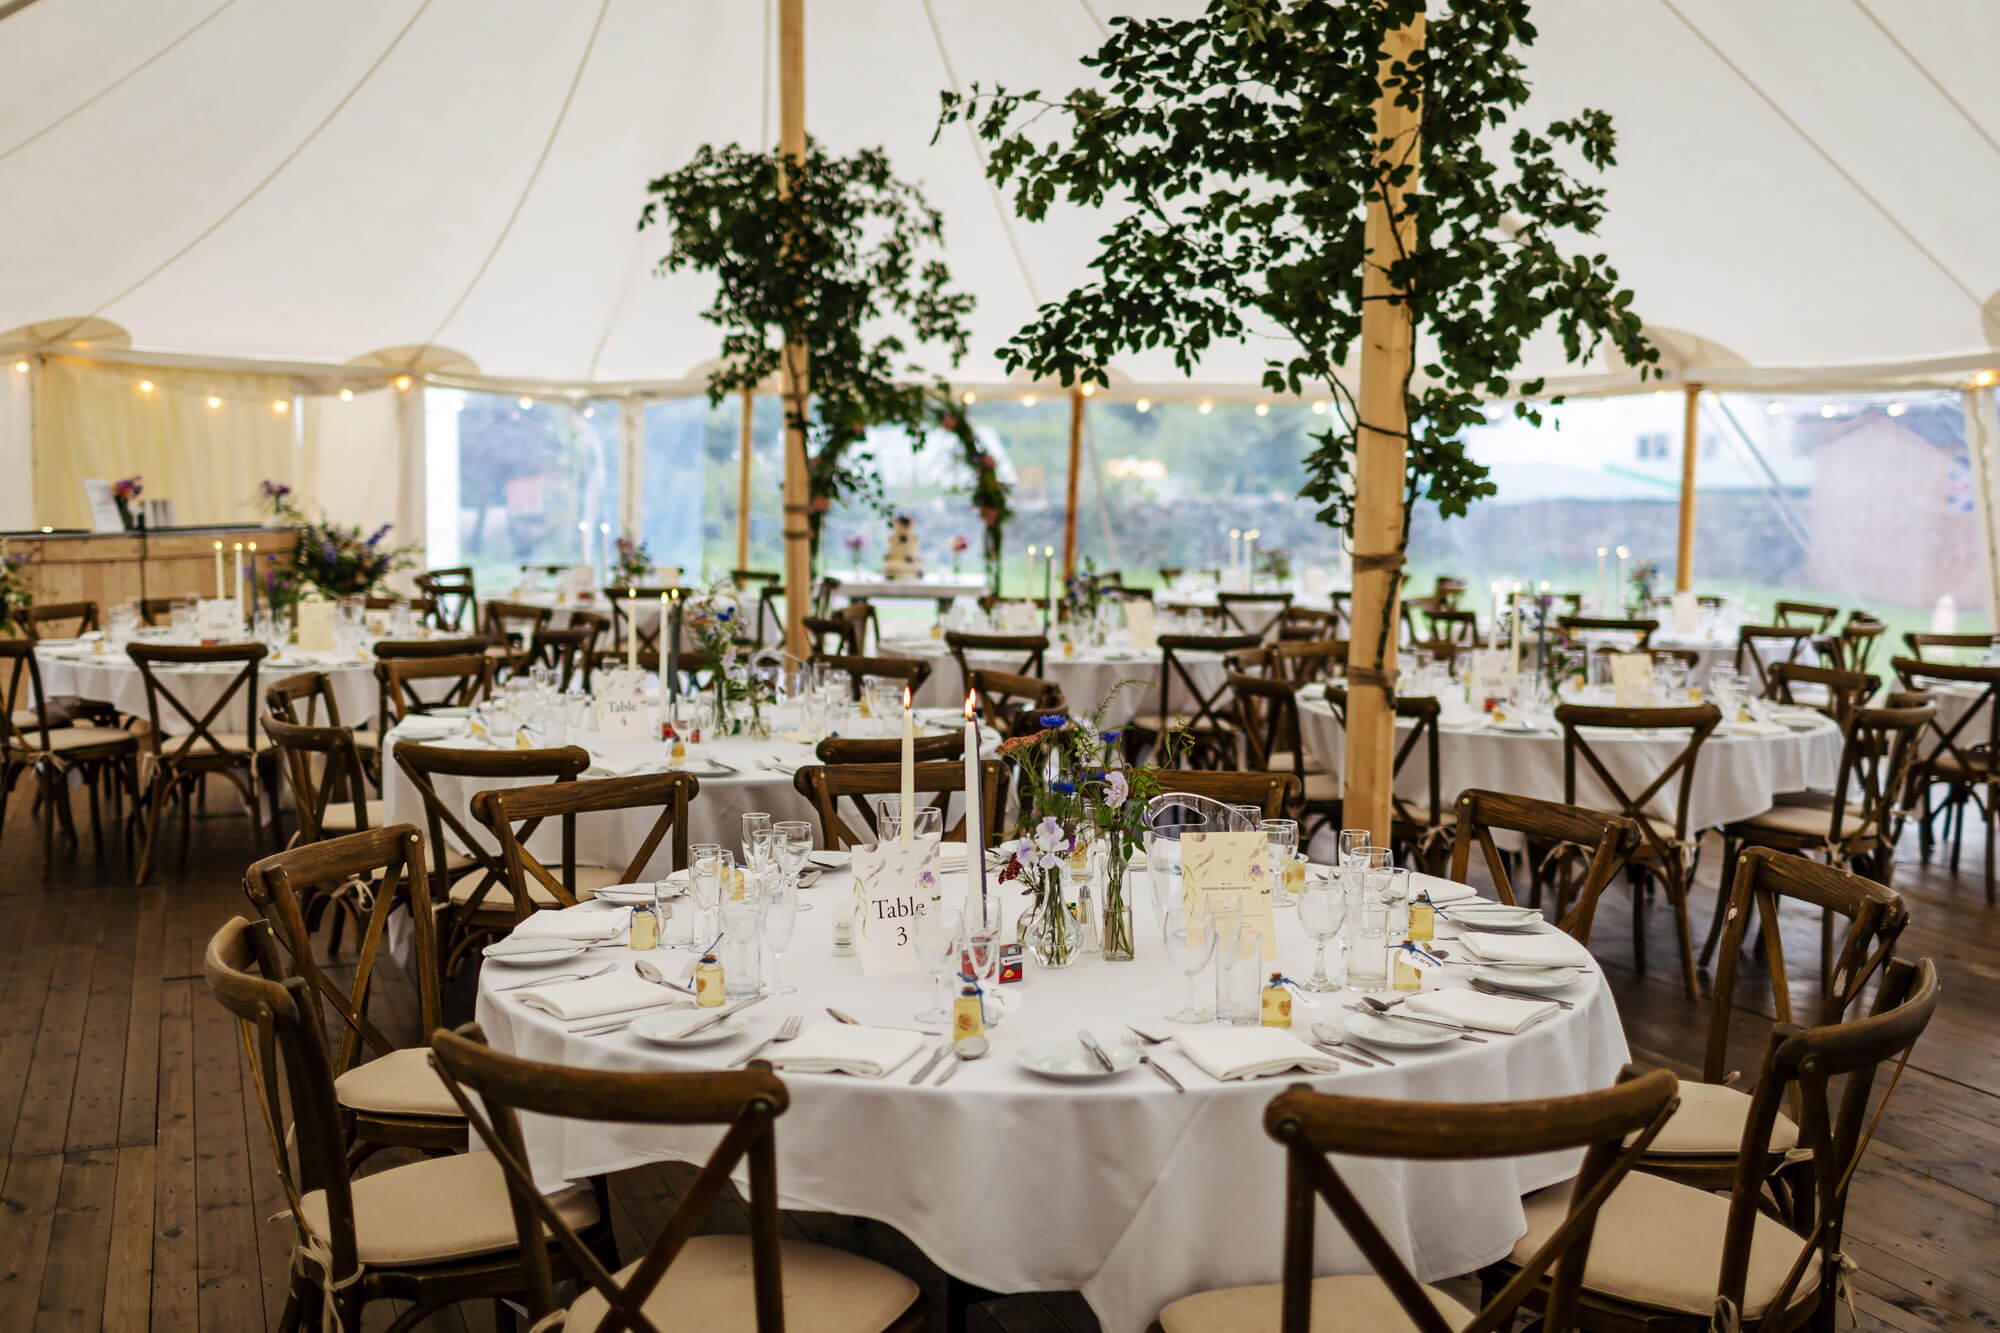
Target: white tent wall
point(351, 463)
point(17, 445)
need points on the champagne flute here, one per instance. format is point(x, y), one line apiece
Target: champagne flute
point(1282, 839)
point(1353, 844)
point(755, 824)
point(792, 841)
point(1188, 948)
point(781, 903)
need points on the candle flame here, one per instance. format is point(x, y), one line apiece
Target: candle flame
point(906, 698)
point(218, 546)
point(971, 704)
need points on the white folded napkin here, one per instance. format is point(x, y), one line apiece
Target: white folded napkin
point(586, 923)
point(1476, 1009)
point(1465, 721)
point(613, 993)
point(1543, 949)
point(848, 1048)
point(1754, 728)
point(1251, 1052)
point(421, 728)
point(1442, 891)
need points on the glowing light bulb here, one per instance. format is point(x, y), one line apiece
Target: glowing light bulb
point(1897, 409)
point(1207, 406)
point(526, 402)
point(1828, 411)
point(402, 381)
point(1263, 409)
point(214, 402)
point(1088, 390)
point(1986, 377)
point(281, 405)
point(588, 411)
point(1030, 399)
point(968, 398)
point(1773, 407)
point(347, 395)
point(145, 386)
point(1319, 408)
point(1144, 404)
point(20, 367)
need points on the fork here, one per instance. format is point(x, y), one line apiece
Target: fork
point(560, 976)
point(786, 1031)
point(1368, 1059)
point(1489, 988)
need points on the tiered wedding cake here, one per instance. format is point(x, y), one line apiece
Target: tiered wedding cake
point(901, 560)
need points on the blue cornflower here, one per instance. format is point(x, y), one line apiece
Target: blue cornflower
point(1053, 720)
point(1065, 788)
point(1108, 736)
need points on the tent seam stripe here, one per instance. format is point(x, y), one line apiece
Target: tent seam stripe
point(1936, 83)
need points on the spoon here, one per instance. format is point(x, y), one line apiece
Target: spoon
point(1328, 1035)
point(648, 972)
point(560, 976)
point(1370, 1005)
point(971, 1048)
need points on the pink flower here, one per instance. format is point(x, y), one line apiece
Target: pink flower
point(821, 503)
point(960, 543)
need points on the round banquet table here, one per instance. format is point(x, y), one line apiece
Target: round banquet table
point(1087, 676)
point(1736, 776)
point(113, 679)
point(1124, 1189)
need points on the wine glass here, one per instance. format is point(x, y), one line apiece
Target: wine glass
point(1188, 948)
point(1282, 839)
point(936, 942)
point(1353, 842)
point(756, 838)
point(1322, 911)
point(710, 863)
point(781, 904)
point(792, 842)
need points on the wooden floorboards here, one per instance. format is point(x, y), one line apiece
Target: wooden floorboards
point(136, 1181)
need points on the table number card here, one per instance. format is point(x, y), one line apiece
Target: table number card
point(1632, 680)
point(1237, 863)
point(894, 888)
point(1492, 676)
point(1141, 630)
point(315, 622)
point(625, 712)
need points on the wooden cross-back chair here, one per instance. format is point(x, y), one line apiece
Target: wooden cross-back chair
point(32, 742)
point(1700, 1147)
point(50, 620)
point(511, 626)
point(1954, 644)
point(1444, 650)
point(1762, 645)
point(1420, 826)
point(739, 1281)
point(1029, 649)
point(769, 587)
point(1316, 1126)
point(1815, 616)
point(1274, 793)
point(1666, 851)
point(447, 682)
point(394, 650)
point(1460, 627)
point(469, 881)
point(1302, 663)
point(329, 782)
point(912, 671)
point(454, 602)
point(567, 652)
point(182, 762)
point(1853, 649)
point(889, 749)
point(825, 786)
point(1205, 715)
point(430, 1233)
point(305, 699)
point(1965, 758)
point(1843, 691)
point(833, 636)
point(157, 611)
point(390, 1095)
point(1257, 613)
point(1302, 624)
point(1011, 704)
point(1267, 710)
point(512, 814)
point(1559, 839)
point(1641, 628)
point(1672, 1257)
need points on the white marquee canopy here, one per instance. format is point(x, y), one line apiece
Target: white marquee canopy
point(1802, 183)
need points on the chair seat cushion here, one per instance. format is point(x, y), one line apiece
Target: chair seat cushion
point(589, 879)
point(59, 716)
point(401, 1082)
point(1805, 820)
point(233, 742)
point(66, 739)
point(1658, 1243)
point(339, 816)
point(708, 1287)
point(1358, 1302)
point(1709, 1123)
point(436, 1210)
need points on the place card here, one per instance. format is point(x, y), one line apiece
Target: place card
point(894, 889)
point(625, 712)
point(1687, 613)
point(1141, 630)
point(315, 624)
point(1632, 680)
point(1492, 677)
point(1237, 863)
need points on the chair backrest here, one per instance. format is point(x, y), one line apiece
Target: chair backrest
point(291, 1072)
point(1444, 650)
point(157, 611)
point(1853, 649)
point(199, 745)
point(1815, 616)
point(318, 761)
point(447, 826)
point(826, 785)
point(1761, 645)
point(1304, 661)
point(496, 1090)
point(1460, 627)
point(1959, 740)
point(1030, 649)
point(566, 652)
point(50, 620)
point(1699, 721)
point(1764, 880)
point(389, 862)
point(1315, 1125)
point(889, 749)
point(1255, 613)
point(23, 672)
point(1845, 690)
point(1275, 792)
point(1802, 1065)
point(1422, 713)
point(1981, 644)
point(1879, 751)
point(1267, 710)
point(1640, 628)
point(1302, 624)
point(1010, 703)
point(512, 814)
point(912, 671)
point(465, 681)
point(301, 698)
point(1559, 835)
point(1200, 707)
point(513, 623)
point(454, 603)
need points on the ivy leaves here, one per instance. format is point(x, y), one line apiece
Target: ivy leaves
point(1240, 149)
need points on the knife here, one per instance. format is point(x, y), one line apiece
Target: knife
point(1097, 1052)
point(728, 1011)
point(949, 1070)
point(1162, 1071)
point(1458, 1028)
point(929, 1065)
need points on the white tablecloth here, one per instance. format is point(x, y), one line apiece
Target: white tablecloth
point(1087, 677)
point(1735, 776)
point(114, 680)
point(1125, 1190)
point(939, 587)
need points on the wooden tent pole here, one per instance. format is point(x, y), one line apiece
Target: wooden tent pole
point(1684, 555)
point(743, 482)
point(797, 384)
point(1075, 473)
point(1387, 342)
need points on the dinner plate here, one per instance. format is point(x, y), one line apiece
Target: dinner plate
point(660, 1028)
point(833, 860)
point(1482, 915)
point(1536, 979)
point(555, 953)
point(1378, 1031)
point(1067, 1061)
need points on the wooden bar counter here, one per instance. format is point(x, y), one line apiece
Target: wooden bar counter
point(113, 567)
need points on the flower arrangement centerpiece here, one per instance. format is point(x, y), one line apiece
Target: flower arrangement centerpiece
point(712, 620)
point(17, 596)
point(125, 493)
point(959, 544)
point(855, 541)
point(1276, 565)
point(1082, 595)
point(336, 559)
point(1641, 581)
point(633, 565)
point(1083, 811)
